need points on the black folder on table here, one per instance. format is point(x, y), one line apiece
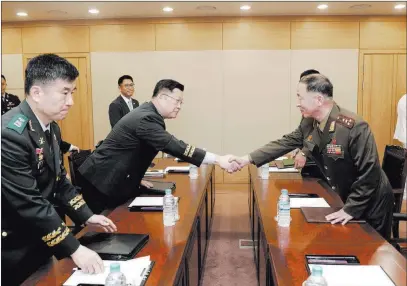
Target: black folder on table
point(317, 215)
point(114, 246)
point(158, 188)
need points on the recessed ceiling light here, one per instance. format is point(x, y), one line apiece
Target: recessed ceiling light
point(93, 11)
point(168, 9)
point(22, 14)
point(322, 6)
point(400, 6)
point(245, 7)
point(360, 6)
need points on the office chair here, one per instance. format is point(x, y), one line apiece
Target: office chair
point(396, 171)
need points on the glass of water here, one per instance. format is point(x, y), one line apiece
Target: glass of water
point(264, 172)
point(193, 172)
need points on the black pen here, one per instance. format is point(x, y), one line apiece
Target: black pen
point(151, 208)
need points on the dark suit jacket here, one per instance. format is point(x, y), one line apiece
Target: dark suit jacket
point(346, 154)
point(32, 180)
point(127, 152)
point(10, 101)
point(118, 108)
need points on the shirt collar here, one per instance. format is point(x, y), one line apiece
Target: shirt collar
point(44, 128)
point(127, 100)
point(322, 124)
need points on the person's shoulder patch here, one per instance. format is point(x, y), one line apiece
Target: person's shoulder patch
point(18, 123)
point(345, 121)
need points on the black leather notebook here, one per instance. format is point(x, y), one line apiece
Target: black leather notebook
point(114, 246)
point(158, 188)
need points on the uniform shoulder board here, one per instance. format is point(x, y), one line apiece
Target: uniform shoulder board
point(18, 123)
point(345, 121)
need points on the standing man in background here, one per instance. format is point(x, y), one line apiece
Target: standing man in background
point(8, 101)
point(342, 145)
point(401, 130)
point(123, 104)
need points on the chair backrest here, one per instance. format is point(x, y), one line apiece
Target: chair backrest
point(75, 160)
point(393, 165)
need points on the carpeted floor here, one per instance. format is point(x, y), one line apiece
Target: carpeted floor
point(226, 264)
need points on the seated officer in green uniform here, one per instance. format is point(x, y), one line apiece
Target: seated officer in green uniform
point(116, 167)
point(342, 145)
point(33, 178)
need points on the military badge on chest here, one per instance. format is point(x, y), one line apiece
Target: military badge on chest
point(334, 150)
point(40, 156)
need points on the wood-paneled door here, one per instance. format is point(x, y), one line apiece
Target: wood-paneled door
point(77, 127)
point(382, 82)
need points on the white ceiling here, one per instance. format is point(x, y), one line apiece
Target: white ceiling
point(79, 10)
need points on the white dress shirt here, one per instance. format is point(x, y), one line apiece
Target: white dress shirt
point(128, 101)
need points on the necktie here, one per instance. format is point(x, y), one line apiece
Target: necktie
point(130, 104)
point(49, 140)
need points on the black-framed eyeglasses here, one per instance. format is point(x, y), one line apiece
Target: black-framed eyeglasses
point(130, 85)
point(178, 101)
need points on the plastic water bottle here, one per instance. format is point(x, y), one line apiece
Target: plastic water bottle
point(115, 277)
point(283, 216)
point(265, 173)
point(316, 278)
point(193, 172)
point(283, 193)
point(168, 208)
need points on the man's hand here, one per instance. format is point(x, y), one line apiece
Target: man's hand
point(146, 184)
point(226, 163)
point(241, 161)
point(73, 148)
point(339, 216)
point(103, 222)
point(299, 160)
point(88, 260)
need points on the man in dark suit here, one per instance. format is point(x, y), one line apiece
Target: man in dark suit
point(8, 100)
point(33, 179)
point(116, 167)
point(123, 104)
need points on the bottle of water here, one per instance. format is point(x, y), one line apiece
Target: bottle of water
point(193, 172)
point(265, 173)
point(316, 278)
point(115, 277)
point(283, 216)
point(283, 193)
point(168, 208)
point(176, 213)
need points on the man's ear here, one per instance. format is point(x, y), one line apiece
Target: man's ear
point(36, 92)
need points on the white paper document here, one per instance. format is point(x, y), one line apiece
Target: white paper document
point(148, 202)
point(177, 169)
point(355, 275)
point(296, 203)
point(134, 270)
point(281, 158)
point(286, 170)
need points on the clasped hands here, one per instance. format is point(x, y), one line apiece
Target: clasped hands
point(232, 163)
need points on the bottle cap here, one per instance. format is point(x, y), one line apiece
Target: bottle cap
point(115, 267)
point(168, 191)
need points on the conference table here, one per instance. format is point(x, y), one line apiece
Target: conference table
point(178, 251)
point(279, 252)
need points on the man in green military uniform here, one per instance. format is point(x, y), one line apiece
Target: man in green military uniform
point(342, 145)
point(33, 178)
point(114, 171)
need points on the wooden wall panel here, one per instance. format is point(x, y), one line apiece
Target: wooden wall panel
point(382, 35)
point(11, 41)
point(324, 35)
point(241, 177)
point(193, 36)
point(218, 175)
point(256, 36)
point(68, 39)
point(122, 38)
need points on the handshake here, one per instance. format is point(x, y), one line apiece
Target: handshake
point(232, 163)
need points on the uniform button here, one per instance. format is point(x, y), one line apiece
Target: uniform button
point(326, 168)
point(328, 178)
point(4, 234)
point(333, 188)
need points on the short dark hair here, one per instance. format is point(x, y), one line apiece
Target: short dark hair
point(167, 84)
point(318, 83)
point(123, 77)
point(3, 77)
point(46, 68)
point(308, 72)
